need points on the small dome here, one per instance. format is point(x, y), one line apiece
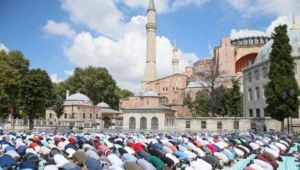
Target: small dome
point(103, 105)
point(245, 33)
point(150, 94)
point(78, 96)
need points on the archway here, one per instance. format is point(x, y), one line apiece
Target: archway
point(132, 123)
point(143, 123)
point(154, 123)
point(107, 122)
point(243, 61)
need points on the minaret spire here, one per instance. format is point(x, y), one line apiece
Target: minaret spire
point(294, 24)
point(175, 60)
point(150, 69)
point(151, 5)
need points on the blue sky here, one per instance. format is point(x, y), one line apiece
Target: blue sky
point(59, 35)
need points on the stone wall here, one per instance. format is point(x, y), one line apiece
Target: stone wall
point(197, 124)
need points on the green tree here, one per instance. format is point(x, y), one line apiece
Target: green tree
point(35, 94)
point(233, 101)
point(59, 94)
point(7, 82)
point(282, 90)
point(123, 93)
point(210, 75)
point(96, 83)
point(14, 66)
point(188, 101)
point(201, 104)
point(219, 101)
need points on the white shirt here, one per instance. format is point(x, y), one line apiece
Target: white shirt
point(223, 158)
point(129, 150)
point(115, 160)
point(254, 146)
point(174, 158)
point(239, 152)
point(190, 154)
point(200, 152)
point(200, 164)
point(263, 164)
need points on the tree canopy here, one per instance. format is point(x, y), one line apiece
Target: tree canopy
point(282, 90)
point(233, 102)
point(13, 67)
point(97, 84)
point(223, 102)
point(35, 94)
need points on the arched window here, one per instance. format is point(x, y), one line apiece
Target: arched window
point(132, 123)
point(50, 115)
point(83, 115)
point(143, 123)
point(66, 116)
point(154, 123)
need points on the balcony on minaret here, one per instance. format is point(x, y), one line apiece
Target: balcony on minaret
point(175, 61)
point(151, 26)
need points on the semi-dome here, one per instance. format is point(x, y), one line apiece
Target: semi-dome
point(246, 33)
point(150, 94)
point(78, 96)
point(103, 105)
point(265, 51)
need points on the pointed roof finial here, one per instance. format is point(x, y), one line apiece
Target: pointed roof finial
point(151, 5)
point(175, 46)
point(294, 24)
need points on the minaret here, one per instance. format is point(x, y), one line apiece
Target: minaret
point(150, 69)
point(175, 61)
point(294, 25)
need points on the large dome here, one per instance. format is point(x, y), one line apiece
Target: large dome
point(265, 51)
point(246, 33)
point(150, 94)
point(78, 96)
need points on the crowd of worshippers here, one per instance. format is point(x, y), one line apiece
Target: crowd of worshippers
point(139, 151)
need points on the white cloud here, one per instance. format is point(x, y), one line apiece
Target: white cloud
point(54, 78)
point(99, 15)
point(3, 47)
point(59, 28)
point(69, 72)
point(279, 21)
point(164, 5)
point(125, 58)
point(104, 17)
point(120, 46)
point(250, 8)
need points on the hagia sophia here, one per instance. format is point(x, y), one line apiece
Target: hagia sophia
point(159, 106)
